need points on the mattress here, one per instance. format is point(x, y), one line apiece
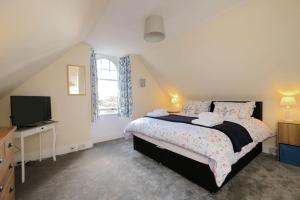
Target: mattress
point(174, 148)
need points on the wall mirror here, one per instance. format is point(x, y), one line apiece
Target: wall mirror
point(76, 80)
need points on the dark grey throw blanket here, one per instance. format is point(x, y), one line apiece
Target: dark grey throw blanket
point(238, 135)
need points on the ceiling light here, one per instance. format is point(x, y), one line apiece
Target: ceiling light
point(154, 29)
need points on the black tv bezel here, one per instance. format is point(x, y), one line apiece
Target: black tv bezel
point(35, 123)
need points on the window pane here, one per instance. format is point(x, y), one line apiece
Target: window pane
point(104, 74)
point(114, 75)
point(106, 69)
point(107, 86)
point(108, 96)
point(104, 63)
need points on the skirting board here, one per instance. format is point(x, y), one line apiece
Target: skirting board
point(104, 139)
point(47, 153)
point(269, 149)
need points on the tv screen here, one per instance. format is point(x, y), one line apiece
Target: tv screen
point(29, 110)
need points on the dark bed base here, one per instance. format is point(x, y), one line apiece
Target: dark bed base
point(195, 171)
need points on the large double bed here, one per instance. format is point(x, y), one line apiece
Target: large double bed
point(204, 155)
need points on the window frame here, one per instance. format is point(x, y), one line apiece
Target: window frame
point(113, 60)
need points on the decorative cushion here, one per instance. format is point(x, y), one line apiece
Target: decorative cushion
point(194, 108)
point(189, 109)
point(202, 106)
point(247, 109)
point(234, 110)
point(227, 109)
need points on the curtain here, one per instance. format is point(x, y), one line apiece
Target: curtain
point(125, 91)
point(94, 86)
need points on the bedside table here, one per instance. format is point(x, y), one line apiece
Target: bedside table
point(288, 140)
point(173, 112)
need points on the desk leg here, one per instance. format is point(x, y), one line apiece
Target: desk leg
point(41, 146)
point(22, 158)
point(54, 145)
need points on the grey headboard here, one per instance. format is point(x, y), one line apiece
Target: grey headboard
point(257, 113)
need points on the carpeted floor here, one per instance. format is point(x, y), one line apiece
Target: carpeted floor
point(113, 171)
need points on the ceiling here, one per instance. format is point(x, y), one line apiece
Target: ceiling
point(34, 33)
point(120, 29)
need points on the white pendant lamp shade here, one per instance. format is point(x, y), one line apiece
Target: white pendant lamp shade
point(154, 29)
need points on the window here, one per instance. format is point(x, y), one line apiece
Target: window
point(107, 86)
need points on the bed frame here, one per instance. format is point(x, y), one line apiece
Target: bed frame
point(195, 171)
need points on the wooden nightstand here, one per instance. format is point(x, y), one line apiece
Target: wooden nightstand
point(288, 140)
point(173, 112)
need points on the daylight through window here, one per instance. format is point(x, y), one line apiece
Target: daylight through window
point(107, 86)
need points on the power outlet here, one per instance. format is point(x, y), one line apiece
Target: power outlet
point(81, 146)
point(73, 148)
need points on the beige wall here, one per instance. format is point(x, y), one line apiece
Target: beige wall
point(250, 52)
point(72, 112)
point(109, 127)
point(145, 99)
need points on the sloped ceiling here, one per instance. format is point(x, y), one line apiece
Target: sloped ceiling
point(120, 29)
point(34, 33)
point(250, 52)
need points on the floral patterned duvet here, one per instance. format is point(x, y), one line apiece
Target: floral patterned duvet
point(208, 142)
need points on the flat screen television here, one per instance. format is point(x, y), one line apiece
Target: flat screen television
point(27, 111)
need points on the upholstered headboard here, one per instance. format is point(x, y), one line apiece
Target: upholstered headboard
point(257, 113)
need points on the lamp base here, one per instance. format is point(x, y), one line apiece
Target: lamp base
point(288, 116)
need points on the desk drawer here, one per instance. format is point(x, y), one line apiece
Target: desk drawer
point(43, 128)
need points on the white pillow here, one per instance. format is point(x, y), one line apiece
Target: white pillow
point(234, 110)
point(246, 110)
point(202, 106)
point(227, 109)
point(194, 108)
point(188, 109)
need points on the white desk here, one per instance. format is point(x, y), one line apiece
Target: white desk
point(23, 133)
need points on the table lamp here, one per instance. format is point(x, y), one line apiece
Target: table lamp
point(176, 103)
point(288, 102)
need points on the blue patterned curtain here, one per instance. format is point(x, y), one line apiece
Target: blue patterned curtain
point(125, 93)
point(94, 86)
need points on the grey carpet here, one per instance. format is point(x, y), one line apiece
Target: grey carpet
point(113, 171)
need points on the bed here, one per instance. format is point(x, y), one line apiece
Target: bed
point(191, 164)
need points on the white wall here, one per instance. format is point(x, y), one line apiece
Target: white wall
point(72, 112)
point(108, 127)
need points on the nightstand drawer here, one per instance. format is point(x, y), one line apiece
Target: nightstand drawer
point(8, 192)
point(289, 133)
point(289, 154)
point(9, 150)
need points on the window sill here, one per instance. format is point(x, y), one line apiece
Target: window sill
point(109, 114)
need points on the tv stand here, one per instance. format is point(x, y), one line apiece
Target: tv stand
point(42, 123)
point(38, 129)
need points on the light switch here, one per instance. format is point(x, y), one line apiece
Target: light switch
point(142, 82)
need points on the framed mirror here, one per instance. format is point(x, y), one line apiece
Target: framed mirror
point(76, 80)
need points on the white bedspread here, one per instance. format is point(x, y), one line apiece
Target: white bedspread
point(208, 142)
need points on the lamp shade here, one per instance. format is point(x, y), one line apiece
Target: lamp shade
point(154, 29)
point(288, 101)
point(174, 99)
